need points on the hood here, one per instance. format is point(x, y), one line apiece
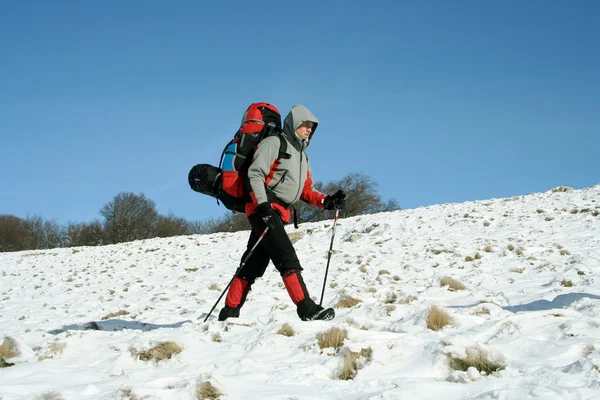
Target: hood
point(297, 115)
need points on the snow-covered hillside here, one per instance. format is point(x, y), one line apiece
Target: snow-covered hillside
point(81, 318)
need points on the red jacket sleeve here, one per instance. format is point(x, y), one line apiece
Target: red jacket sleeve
point(309, 194)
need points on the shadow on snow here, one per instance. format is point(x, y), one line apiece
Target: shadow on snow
point(113, 325)
point(560, 301)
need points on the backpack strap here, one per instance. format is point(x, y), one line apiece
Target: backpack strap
point(282, 147)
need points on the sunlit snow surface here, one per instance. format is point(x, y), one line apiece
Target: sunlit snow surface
point(532, 302)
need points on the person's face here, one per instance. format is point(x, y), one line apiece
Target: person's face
point(305, 130)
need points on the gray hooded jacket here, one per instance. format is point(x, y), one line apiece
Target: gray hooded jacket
point(287, 179)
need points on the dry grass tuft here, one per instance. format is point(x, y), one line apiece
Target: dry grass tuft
point(372, 290)
point(391, 299)
point(127, 393)
point(8, 349)
point(216, 337)
point(481, 311)
point(477, 358)
point(205, 391)
point(286, 330)
point(384, 272)
point(488, 249)
point(353, 361)
point(296, 236)
point(562, 189)
point(49, 396)
point(510, 247)
point(214, 286)
point(117, 314)
point(452, 284)
point(564, 252)
point(162, 351)
point(346, 301)
point(334, 338)
point(409, 299)
point(54, 350)
point(566, 283)
point(438, 318)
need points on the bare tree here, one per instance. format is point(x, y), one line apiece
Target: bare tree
point(170, 225)
point(129, 217)
point(230, 222)
point(361, 198)
point(14, 234)
point(47, 234)
point(85, 234)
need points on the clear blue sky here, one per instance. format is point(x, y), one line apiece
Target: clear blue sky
point(439, 101)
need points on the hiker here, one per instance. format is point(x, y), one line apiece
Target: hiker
point(274, 188)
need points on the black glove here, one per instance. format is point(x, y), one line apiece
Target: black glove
point(269, 215)
point(335, 201)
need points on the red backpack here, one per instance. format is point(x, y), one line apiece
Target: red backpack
point(228, 182)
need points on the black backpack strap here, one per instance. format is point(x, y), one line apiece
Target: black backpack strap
point(283, 147)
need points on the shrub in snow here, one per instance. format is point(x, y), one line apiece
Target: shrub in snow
point(54, 350)
point(206, 390)
point(562, 189)
point(452, 284)
point(346, 301)
point(566, 283)
point(478, 359)
point(409, 299)
point(333, 338)
point(49, 396)
point(438, 318)
point(353, 361)
point(286, 330)
point(296, 236)
point(117, 314)
point(162, 351)
point(8, 349)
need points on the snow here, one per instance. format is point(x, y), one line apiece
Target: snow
point(535, 308)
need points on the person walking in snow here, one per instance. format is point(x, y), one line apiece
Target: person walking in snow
point(274, 187)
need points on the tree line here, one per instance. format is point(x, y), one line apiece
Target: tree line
point(129, 216)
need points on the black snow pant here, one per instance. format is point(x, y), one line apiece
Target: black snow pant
point(275, 246)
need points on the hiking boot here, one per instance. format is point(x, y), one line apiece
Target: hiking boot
point(308, 310)
point(229, 312)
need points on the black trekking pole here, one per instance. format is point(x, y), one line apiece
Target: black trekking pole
point(337, 211)
point(262, 235)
